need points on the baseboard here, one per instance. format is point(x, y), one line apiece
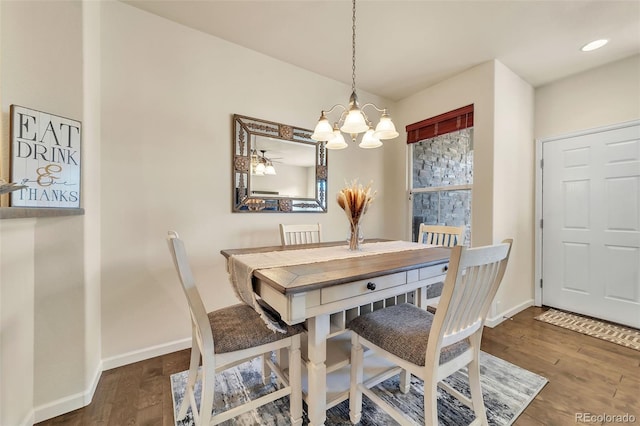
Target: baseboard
point(29, 419)
point(60, 406)
point(94, 384)
point(146, 353)
point(69, 403)
point(82, 399)
point(492, 322)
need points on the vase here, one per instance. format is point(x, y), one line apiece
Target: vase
point(355, 237)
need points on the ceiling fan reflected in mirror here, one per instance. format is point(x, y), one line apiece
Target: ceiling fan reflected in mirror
point(261, 165)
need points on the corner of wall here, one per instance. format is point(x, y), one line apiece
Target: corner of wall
point(514, 185)
point(500, 317)
point(91, 180)
point(68, 403)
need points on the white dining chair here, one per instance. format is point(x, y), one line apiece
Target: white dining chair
point(432, 347)
point(300, 234)
point(225, 338)
point(448, 236)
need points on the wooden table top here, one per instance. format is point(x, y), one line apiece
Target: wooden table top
point(310, 276)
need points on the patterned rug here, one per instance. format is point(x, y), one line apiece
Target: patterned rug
point(628, 337)
point(507, 389)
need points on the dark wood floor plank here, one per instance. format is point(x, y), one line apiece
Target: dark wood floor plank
point(608, 356)
point(585, 375)
point(526, 420)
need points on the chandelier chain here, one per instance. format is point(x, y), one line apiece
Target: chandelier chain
point(353, 49)
point(353, 119)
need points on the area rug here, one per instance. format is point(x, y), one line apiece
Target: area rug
point(507, 390)
point(620, 335)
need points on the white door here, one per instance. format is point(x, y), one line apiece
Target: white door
point(591, 224)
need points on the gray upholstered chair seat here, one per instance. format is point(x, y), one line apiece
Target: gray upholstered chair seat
point(401, 334)
point(226, 337)
point(403, 330)
point(240, 327)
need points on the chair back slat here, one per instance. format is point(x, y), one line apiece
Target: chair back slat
point(447, 236)
point(477, 293)
point(471, 284)
point(199, 317)
point(300, 234)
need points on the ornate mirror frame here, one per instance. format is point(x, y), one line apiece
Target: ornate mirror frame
point(242, 201)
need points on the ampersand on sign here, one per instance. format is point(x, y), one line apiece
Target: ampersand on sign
point(46, 175)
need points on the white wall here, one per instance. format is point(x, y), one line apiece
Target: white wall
point(474, 86)
point(503, 167)
point(91, 185)
point(289, 181)
point(54, 359)
point(168, 97)
point(73, 298)
point(2, 389)
point(606, 95)
point(603, 96)
point(16, 321)
point(513, 180)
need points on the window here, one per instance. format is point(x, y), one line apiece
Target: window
point(442, 170)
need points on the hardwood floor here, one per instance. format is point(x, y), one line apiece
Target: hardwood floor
point(586, 375)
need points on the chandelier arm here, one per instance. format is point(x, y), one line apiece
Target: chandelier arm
point(330, 110)
point(353, 118)
point(374, 106)
point(366, 118)
point(340, 121)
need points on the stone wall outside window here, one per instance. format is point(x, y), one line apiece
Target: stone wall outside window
point(440, 162)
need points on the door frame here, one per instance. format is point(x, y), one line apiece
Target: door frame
point(539, 243)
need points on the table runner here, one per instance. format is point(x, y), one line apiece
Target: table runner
point(241, 268)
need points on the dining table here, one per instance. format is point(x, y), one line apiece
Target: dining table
point(326, 285)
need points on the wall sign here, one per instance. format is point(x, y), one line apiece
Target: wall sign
point(45, 156)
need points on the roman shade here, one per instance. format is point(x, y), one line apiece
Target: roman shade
point(448, 122)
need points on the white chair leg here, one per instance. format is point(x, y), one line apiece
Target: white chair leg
point(295, 380)
point(476, 391)
point(430, 403)
point(282, 358)
point(474, 380)
point(405, 381)
point(194, 364)
point(207, 393)
point(355, 394)
point(266, 371)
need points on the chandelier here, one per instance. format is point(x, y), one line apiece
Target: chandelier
point(353, 119)
point(261, 165)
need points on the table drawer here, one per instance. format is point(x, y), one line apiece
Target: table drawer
point(357, 288)
point(433, 271)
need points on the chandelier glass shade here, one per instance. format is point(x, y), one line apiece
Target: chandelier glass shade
point(353, 119)
point(336, 140)
point(260, 165)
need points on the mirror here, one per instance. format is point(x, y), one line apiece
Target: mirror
point(277, 168)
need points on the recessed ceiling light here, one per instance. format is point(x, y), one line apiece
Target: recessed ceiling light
point(597, 44)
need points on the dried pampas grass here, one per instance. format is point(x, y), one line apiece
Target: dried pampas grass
point(355, 199)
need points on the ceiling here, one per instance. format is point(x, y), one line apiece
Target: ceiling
point(406, 46)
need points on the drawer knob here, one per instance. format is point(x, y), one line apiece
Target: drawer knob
point(446, 268)
point(371, 285)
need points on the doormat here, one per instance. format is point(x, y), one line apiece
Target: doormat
point(507, 390)
point(620, 335)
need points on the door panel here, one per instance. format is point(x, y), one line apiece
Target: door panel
point(591, 233)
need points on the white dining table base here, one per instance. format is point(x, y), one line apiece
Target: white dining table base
point(326, 295)
point(318, 332)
